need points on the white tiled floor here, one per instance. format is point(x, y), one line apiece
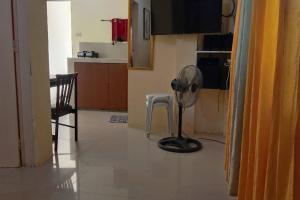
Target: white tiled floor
point(113, 162)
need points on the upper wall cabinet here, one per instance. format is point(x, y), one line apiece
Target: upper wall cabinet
point(141, 42)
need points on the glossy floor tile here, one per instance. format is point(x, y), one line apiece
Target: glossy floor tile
point(114, 162)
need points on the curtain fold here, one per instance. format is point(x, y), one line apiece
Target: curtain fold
point(297, 141)
point(231, 90)
point(297, 156)
point(285, 103)
point(258, 104)
point(271, 102)
point(239, 73)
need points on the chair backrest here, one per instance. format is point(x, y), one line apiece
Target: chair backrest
point(65, 84)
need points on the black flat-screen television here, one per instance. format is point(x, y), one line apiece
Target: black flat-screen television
point(185, 16)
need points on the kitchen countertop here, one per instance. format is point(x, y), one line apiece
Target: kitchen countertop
point(98, 60)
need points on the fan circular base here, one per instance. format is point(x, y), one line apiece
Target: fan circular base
point(180, 145)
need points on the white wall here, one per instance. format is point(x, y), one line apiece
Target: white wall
point(33, 81)
point(38, 55)
point(86, 20)
point(171, 54)
point(211, 111)
point(141, 82)
point(59, 35)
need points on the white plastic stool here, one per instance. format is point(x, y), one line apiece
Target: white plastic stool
point(165, 100)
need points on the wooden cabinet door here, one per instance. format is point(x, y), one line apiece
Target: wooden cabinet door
point(92, 85)
point(84, 81)
point(118, 86)
point(102, 86)
point(99, 75)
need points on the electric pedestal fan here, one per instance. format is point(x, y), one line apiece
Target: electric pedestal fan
point(186, 87)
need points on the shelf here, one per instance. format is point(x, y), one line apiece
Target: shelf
point(214, 52)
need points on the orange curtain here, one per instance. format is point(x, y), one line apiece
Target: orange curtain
point(297, 158)
point(237, 93)
point(272, 103)
point(297, 145)
point(258, 103)
point(231, 90)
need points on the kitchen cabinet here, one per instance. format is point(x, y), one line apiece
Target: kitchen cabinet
point(102, 86)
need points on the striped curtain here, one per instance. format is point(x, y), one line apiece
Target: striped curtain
point(239, 74)
point(267, 169)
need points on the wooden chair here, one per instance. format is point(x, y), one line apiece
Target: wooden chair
point(65, 85)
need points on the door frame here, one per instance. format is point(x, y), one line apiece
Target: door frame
point(23, 82)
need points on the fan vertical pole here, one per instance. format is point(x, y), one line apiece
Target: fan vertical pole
point(180, 122)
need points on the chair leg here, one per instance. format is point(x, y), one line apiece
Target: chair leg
point(56, 134)
point(149, 118)
point(76, 126)
point(170, 118)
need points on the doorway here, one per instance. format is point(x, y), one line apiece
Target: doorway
point(59, 35)
point(59, 38)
